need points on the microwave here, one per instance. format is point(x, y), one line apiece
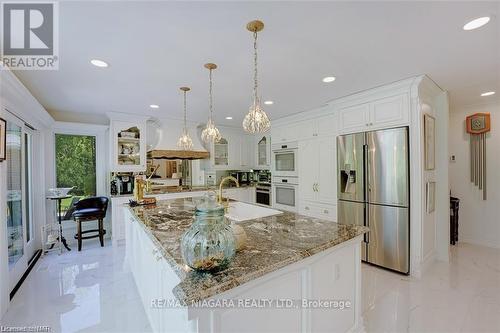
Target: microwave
point(285, 161)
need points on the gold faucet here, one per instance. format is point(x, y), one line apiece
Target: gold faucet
point(221, 199)
point(148, 180)
point(139, 189)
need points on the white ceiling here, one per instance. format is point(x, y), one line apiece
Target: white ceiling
point(155, 47)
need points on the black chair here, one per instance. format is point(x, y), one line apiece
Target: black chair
point(90, 209)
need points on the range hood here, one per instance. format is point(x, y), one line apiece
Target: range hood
point(178, 154)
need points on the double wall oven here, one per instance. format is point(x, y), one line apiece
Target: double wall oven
point(285, 176)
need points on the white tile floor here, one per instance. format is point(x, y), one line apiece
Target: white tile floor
point(93, 291)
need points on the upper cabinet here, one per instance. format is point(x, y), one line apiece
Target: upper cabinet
point(306, 129)
point(263, 151)
point(381, 113)
point(220, 156)
point(285, 133)
point(233, 152)
point(128, 145)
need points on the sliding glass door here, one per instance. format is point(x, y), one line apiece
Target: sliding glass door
point(19, 198)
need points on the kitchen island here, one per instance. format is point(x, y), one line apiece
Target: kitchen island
point(296, 274)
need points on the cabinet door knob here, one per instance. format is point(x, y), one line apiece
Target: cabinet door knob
point(325, 211)
point(307, 208)
point(371, 124)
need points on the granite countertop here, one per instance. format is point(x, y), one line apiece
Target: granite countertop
point(182, 190)
point(273, 242)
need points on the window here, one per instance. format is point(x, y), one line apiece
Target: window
point(14, 193)
point(76, 165)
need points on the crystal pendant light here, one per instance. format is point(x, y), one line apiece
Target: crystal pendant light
point(185, 142)
point(210, 133)
point(256, 121)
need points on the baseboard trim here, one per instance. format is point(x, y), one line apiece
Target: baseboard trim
point(481, 242)
point(429, 259)
point(32, 263)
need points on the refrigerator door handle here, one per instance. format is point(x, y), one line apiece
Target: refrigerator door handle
point(367, 176)
point(366, 235)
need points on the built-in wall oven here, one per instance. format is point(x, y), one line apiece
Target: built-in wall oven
point(285, 193)
point(285, 159)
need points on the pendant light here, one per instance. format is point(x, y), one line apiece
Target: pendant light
point(256, 121)
point(210, 133)
point(185, 142)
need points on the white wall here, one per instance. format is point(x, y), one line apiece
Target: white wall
point(478, 219)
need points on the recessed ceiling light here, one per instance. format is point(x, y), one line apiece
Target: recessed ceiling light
point(476, 23)
point(269, 102)
point(489, 93)
point(99, 63)
point(329, 79)
point(229, 118)
point(154, 106)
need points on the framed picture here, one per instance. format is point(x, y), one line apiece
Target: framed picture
point(3, 139)
point(430, 197)
point(429, 142)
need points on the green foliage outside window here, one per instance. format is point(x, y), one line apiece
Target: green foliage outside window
point(75, 163)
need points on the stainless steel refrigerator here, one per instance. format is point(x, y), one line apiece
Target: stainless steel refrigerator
point(373, 190)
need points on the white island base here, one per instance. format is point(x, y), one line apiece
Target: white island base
point(331, 275)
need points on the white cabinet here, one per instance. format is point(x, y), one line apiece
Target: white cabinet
point(246, 152)
point(317, 127)
point(118, 206)
point(390, 111)
point(354, 118)
point(128, 145)
point(318, 177)
point(220, 153)
point(262, 152)
point(286, 133)
point(382, 113)
point(233, 152)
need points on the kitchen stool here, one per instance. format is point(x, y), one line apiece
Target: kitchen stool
point(90, 209)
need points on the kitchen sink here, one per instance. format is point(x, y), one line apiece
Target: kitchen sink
point(240, 211)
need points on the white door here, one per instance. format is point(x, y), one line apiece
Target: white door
point(19, 199)
point(327, 157)
point(308, 169)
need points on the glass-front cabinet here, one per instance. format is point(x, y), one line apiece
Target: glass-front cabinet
point(263, 151)
point(128, 146)
point(221, 153)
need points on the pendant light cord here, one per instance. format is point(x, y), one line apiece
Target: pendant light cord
point(210, 95)
point(185, 122)
point(255, 68)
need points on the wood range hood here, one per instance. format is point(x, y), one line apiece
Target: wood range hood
point(178, 154)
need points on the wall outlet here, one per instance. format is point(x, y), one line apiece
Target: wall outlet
point(453, 158)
